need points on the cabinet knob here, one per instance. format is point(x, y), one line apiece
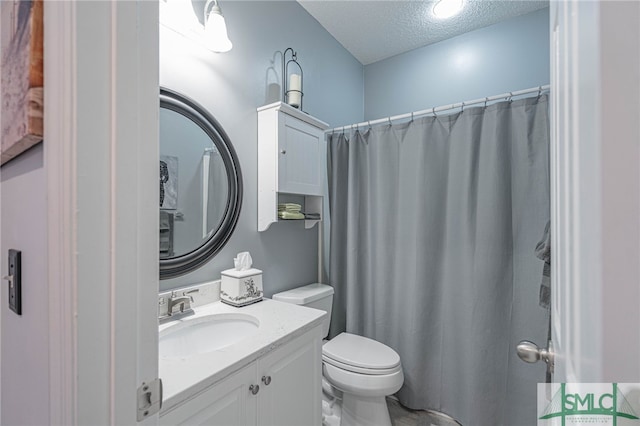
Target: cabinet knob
point(254, 389)
point(284, 151)
point(266, 380)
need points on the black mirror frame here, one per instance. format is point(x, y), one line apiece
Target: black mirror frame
point(180, 265)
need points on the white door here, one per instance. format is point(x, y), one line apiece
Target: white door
point(101, 158)
point(595, 194)
point(595, 116)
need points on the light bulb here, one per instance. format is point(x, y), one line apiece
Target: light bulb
point(447, 8)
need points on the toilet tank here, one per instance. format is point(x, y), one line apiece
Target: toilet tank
point(316, 295)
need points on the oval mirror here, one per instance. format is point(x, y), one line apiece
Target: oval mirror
point(200, 185)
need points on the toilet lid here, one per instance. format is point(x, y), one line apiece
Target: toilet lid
point(358, 351)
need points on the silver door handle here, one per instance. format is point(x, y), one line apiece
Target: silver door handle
point(266, 380)
point(530, 352)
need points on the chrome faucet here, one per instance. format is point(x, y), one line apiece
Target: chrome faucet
point(183, 302)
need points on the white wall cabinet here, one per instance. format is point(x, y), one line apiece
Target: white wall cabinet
point(290, 152)
point(286, 391)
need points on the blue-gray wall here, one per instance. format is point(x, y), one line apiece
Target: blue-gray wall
point(24, 369)
point(507, 56)
point(504, 57)
point(231, 86)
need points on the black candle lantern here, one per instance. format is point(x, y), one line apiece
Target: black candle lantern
point(292, 87)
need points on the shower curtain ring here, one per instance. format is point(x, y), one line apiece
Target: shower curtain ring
point(412, 117)
point(369, 123)
point(510, 96)
point(390, 121)
point(462, 107)
point(485, 101)
point(433, 111)
point(539, 91)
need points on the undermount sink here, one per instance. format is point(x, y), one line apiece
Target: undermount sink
point(205, 334)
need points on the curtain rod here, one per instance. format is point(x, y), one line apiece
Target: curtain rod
point(434, 110)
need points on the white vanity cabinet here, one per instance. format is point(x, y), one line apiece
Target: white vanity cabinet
point(227, 403)
point(280, 388)
point(293, 396)
point(290, 153)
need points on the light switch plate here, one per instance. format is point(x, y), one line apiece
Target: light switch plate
point(15, 281)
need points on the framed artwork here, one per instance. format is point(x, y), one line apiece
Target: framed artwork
point(22, 78)
point(168, 182)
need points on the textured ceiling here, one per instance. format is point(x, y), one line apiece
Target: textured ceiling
point(376, 30)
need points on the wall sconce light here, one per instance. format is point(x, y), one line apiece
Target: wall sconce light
point(292, 94)
point(215, 28)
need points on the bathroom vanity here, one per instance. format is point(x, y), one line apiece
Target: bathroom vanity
point(258, 364)
point(270, 375)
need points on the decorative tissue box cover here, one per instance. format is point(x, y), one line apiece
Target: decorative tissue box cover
point(240, 288)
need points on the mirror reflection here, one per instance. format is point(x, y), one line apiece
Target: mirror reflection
point(193, 185)
point(200, 181)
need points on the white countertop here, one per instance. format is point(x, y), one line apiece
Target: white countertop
point(280, 322)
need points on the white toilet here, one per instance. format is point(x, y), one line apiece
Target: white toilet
point(358, 372)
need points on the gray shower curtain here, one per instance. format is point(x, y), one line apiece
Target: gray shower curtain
point(434, 225)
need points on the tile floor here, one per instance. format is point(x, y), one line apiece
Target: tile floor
point(401, 416)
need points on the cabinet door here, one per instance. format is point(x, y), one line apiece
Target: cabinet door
point(293, 396)
point(299, 157)
point(227, 403)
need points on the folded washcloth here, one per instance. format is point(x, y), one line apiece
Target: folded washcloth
point(290, 215)
point(543, 252)
point(290, 207)
point(312, 216)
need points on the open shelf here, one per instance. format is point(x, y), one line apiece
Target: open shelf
point(309, 203)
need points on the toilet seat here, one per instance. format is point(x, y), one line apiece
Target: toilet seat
point(360, 370)
point(361, 355)
point(363, 385)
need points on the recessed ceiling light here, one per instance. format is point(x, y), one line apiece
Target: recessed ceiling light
point(447, 8)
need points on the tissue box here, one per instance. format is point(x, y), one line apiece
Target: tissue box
point(240, 288)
